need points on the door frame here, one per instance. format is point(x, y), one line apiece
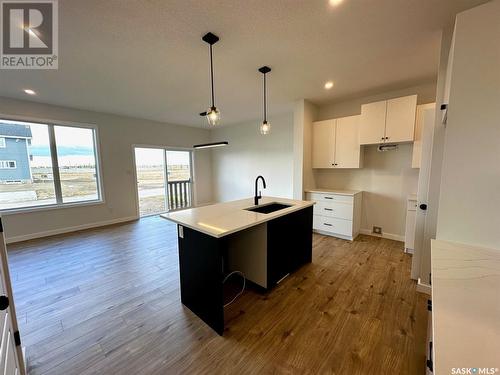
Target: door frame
point(164, 148)
point(427, 137)
point(11, 310)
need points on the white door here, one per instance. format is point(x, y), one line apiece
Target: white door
point(417, 140)
point(323, 152)
point(428, 113)
point(11, 355)
point(347, 149)
point(151, 180)
point(372, 123)
point(400, 120)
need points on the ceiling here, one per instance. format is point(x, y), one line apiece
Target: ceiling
point(145, 58)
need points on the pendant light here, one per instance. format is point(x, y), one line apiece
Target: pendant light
point(212, 114)
point(265, 127)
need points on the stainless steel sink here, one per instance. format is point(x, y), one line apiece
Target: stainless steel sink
point(268, 207)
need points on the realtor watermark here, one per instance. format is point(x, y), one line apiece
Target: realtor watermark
point(29, 34)
point(474, 370)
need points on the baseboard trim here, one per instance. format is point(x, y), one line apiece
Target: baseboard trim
point(76, 228)
point(389, 236)
point(423, 288)
point(341, 236)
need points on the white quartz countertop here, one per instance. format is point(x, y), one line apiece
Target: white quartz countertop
point(221, 219)
point(465, 307)
point(333, 191)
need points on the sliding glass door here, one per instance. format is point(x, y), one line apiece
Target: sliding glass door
point(164, 180)
point(179, 179)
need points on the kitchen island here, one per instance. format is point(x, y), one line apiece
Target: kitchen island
point(264, 242)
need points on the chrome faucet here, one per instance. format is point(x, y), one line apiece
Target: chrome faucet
point(257, 197)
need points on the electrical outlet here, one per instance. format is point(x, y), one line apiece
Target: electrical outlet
point(377, 230)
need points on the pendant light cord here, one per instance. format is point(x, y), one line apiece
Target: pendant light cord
point(212, 76)
point(265, 101)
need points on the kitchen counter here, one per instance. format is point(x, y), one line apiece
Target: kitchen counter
point(225, 239)
point(465, 307)
point(221, 219)
point(334, 191)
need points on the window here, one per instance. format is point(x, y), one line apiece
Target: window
point(77, 166)
point(47, 164)
point(7, 164)
point(2, 142)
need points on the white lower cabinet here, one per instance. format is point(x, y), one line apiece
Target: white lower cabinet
point(411, 213)
point(336, 213)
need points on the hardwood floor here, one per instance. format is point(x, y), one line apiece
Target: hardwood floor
point(107, 301)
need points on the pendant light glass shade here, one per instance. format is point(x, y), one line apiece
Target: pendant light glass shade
point(265, 128)
point(213, 116)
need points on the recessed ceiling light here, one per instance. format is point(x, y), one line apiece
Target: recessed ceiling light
point(328, 85)
point(334, 3)
point(30, 92)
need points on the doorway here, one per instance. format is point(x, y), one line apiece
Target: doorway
point(164, 180)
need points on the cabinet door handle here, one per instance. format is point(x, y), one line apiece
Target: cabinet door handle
point(328, 225)
point(328, 197)
point(328, 209)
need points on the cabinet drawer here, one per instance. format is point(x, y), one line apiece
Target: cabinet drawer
point(334, 209)
point(332, 225)
point(318, 197)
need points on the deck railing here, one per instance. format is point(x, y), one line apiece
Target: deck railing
point(179, 194)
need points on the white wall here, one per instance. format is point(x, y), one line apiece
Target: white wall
point(470, 185)
point(117, 134)
point(304, 114)
point(250, 154)
point(386, 178)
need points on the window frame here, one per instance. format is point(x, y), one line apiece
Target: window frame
point(55, 165)
point(7, 162)
point(3, 142)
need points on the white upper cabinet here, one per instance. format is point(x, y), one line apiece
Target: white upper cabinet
point(347, 149)
point(336, 143)
point(400, 121)
point(323, 146)
point(391, 121)
point(372, 123)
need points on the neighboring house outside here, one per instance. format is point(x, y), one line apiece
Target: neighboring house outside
point(15, 141)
